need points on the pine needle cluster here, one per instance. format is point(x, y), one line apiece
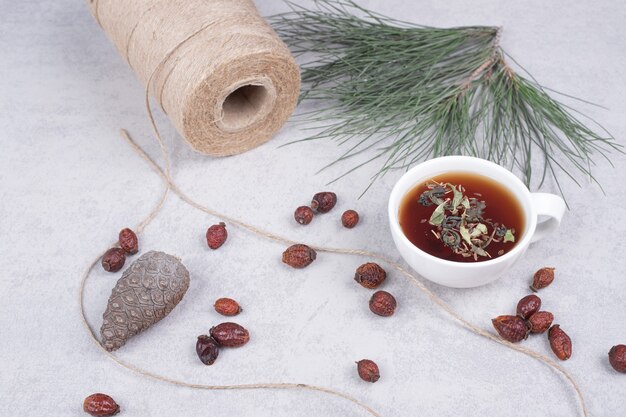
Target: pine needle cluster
point(405, 93)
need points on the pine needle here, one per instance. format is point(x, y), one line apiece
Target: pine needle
point(406, 93)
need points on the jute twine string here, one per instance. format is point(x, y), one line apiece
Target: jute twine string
point(228, 83)
point(171, 185)
point(176, 59)
point(139, 229)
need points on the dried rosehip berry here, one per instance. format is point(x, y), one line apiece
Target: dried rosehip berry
point(542, 278)
point(528, 306)
point(216, 235)
point(540, 321)
point(230, 334)
point(349, 218)
point(511, 328)
point(303, 215)
point(370, 275)
point(207, 349)
point(368, 370)
point(113, 259)
point(383, 304)
point(299, 256)
point(100, 405)
point(323, 202)
point(128, 241)
point(617, 358)
point(227, 307)
point(560, 343)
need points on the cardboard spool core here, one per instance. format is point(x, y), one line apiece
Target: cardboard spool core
point(245, 106)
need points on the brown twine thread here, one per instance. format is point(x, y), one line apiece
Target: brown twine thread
point(162, 378)
point(283, 71)
point(171, 185)
point(180, 383)
point(139, 229)
point(358, 252)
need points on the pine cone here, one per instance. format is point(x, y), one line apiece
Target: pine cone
point(147, 291)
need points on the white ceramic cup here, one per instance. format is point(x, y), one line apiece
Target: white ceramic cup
point(472, 274)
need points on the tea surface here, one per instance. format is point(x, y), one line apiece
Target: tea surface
point(462, 217)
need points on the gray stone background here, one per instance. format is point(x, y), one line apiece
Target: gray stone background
point(68, 183)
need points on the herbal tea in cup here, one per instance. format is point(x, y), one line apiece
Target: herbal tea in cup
point(463, 222)
point(462, 217)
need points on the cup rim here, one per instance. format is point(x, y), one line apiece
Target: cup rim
point(531, 215)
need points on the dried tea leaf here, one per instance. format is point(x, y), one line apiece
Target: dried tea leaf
point(437, 217)
point(436, 193)
point(457, 197)
point(465, 234)
point(479, 251)
point(480, 229)
point(509, 237)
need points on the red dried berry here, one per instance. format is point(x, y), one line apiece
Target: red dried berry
point(113, 259)
point(323, 202)
point(216, 235)
point(128, 241)
point(528, 306)
point(617, 358)
point(383, 304)
point(542, 278)
point(511, 328)
point(100, 405)
point(207, 349)
point(227, 307)
point(368, 370)
point(370, 275)
point(349, 218)
point(560, 343)
point(230, 334)
point(303, 215)
point(299, 256)
point(540, 321)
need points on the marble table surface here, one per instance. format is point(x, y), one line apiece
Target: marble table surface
point(68, 183)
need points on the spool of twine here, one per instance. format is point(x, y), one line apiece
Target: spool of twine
point(218, 70)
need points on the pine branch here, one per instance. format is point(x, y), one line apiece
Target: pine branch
point(405, 93)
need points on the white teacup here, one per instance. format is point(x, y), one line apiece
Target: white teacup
point(473, 274)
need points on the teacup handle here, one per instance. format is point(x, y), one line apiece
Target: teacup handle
point(549, 205)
